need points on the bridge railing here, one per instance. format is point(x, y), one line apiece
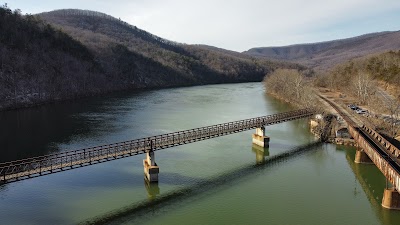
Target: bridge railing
point(51, 163)
point(386, 144)
point(380, 153)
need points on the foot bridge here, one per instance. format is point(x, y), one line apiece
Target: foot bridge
point(372, 148)
point(53, 163)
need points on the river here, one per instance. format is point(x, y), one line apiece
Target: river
point(214, 181)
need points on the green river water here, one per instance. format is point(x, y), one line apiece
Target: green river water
point(215, 181)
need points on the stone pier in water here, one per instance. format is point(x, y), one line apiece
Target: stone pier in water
point(151, 169)
point(260, 139)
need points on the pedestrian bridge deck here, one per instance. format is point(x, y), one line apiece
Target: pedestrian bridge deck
point(52, 163)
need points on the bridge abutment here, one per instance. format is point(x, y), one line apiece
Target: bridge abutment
point(151, 169)
point(260, 139)
point(362, 157)
point(391, 199)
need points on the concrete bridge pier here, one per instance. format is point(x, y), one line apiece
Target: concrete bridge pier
point(391, 199)
point(260, 139)
point(362, 157)
point(151, 169)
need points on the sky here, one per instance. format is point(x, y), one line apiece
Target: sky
point(240, 24)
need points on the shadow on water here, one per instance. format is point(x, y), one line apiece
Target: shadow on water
point(33, 131)
point(146, 208)
point(27, 132)
point(373, 183)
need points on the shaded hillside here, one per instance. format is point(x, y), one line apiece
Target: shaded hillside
point(42, 64)
point(325, 55)
point(77, 53)
point(98, 31)
point(39, 63)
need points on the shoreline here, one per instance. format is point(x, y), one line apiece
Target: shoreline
point(115, 92)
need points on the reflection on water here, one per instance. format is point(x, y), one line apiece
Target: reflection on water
point(260, 152)
point(134, 213)
point(37, 131)
point(373, 183)
point(152, 189)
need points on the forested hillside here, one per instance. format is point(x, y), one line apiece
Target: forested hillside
point(39, 63)
point(356, 75)
point(98, 31)
point(67, 54)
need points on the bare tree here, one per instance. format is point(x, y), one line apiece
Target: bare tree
point(363, 86)
point(392, 106)
point(290, 85)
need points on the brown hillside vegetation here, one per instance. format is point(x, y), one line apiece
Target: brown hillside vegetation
point(40, 64)
point(68, 54)
point(292, 86)
point(383, 68)
point(98, 31)
point(325, 55)
point(367, 80)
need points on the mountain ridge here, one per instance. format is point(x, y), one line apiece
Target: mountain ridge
point(324, 55)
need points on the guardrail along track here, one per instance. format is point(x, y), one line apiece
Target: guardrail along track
point(382, 153)
point(42, 165)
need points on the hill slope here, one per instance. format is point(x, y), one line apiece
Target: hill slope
point(99, 31)
point(68, 54)
point(324, 55)
point(39, 63)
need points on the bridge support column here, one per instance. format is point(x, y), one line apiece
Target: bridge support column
point(259, 137)
point(151, 169)
point(362, 157)
point(391, 199)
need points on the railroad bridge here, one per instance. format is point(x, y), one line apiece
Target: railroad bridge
point(372, 148)
point(52, 163)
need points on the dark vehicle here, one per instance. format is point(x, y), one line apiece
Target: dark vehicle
point(353, 107)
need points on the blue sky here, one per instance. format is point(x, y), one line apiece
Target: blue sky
point(241, 24)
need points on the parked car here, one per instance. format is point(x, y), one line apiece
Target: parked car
point(361, 111)
point(353, 107)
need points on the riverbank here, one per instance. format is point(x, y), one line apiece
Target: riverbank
point(110, 93)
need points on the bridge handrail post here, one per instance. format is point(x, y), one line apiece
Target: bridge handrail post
point(61, 160)
point(40, 167)
point(71, 159)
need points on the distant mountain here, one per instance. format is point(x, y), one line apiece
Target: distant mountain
point(324, 55)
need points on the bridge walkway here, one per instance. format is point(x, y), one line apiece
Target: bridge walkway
point(52, 163)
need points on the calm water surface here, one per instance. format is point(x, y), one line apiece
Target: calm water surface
point(209, 182)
